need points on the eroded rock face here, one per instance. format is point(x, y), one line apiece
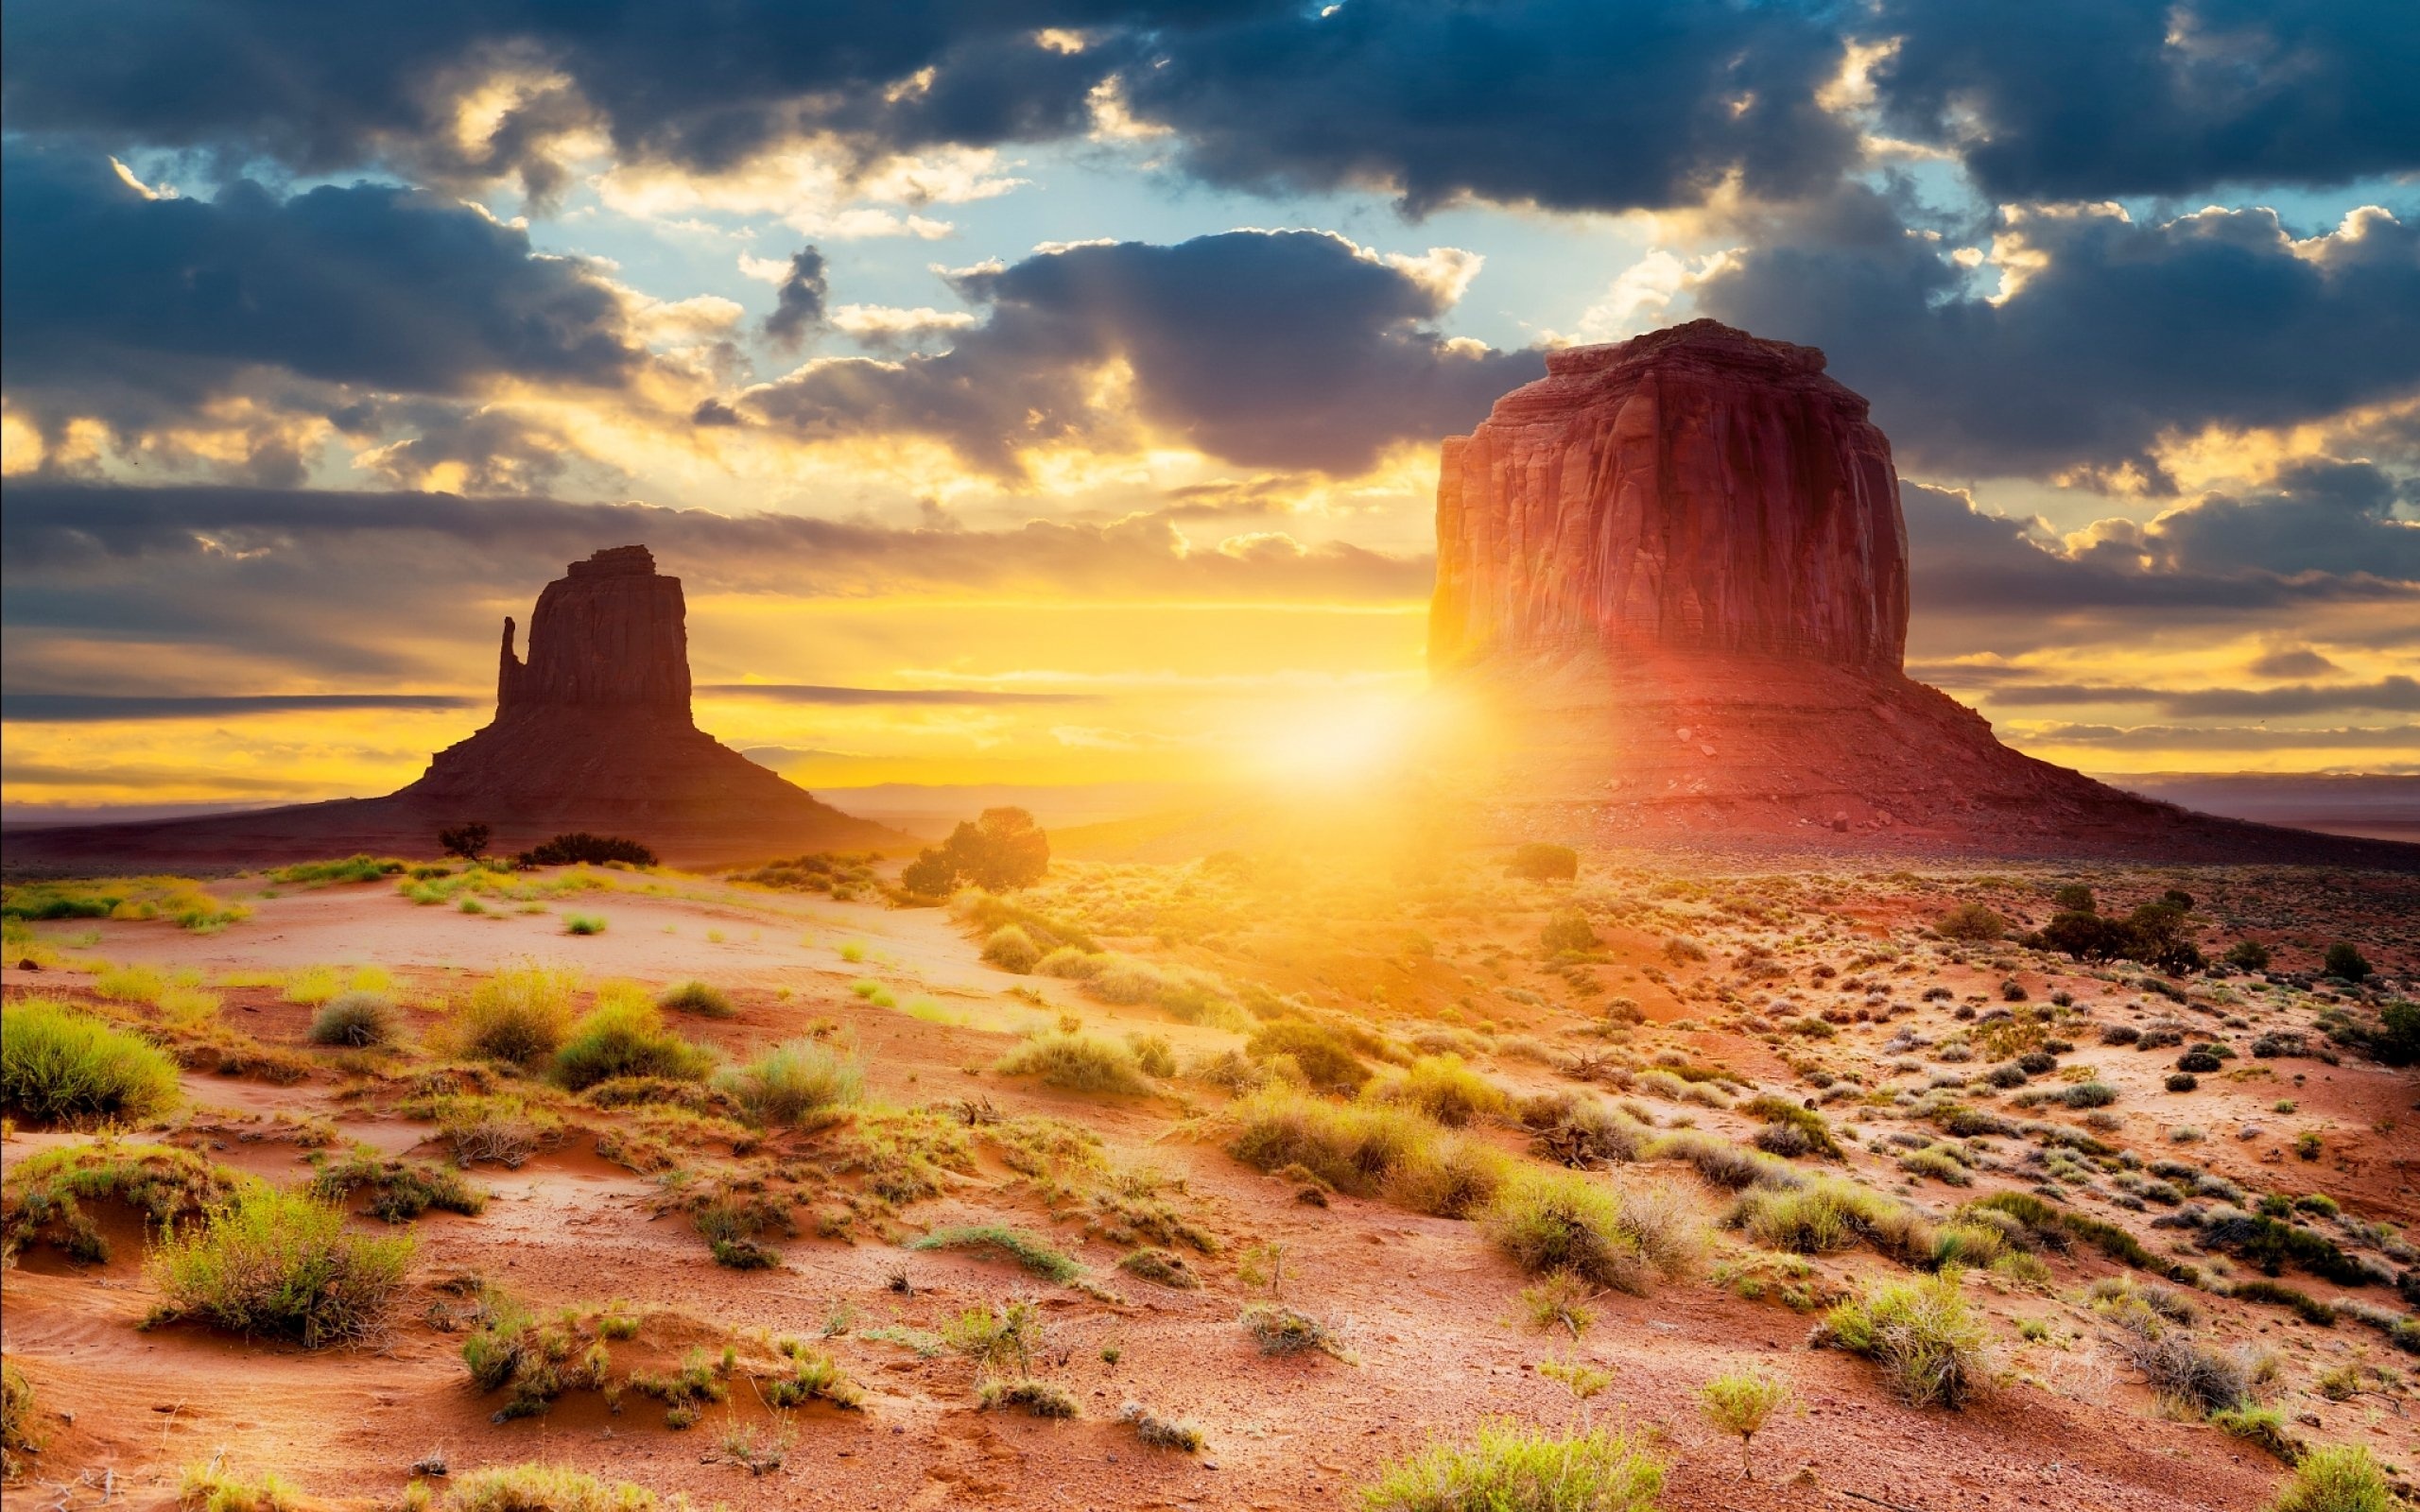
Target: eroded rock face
point(1696, 490)
point(612, 632)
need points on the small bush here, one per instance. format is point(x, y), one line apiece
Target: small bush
point(1444, 1088)
point(2337, 1478)
point(798, 1083)
point(1739, 1404)
point(1828, 1215)
point(354, 1020)
point(1733, 1167)
point(1920, 1332)
point(2264, 1426)
point(2182, 1081)
point(583, 924)
point(1567, 931)
point(398, 1190)
point(1511, 1466)
point(1325, 1056)
point(1620, 1237)
point(1162, 1267)
point(1353, 1148)
point(546, 1488)
point(17, 1410)
point(1156, 1431)
point(1282, 1330)
point(1154, 1052)
point(1029, 1251)
point(1971, 922)
point(2089, 1094)
point(1011, 949)
point(502, 1128)
point(61, 1067)
point(1814, 1131)
point(518, 1015)
point(1043, 1398)
point(211, 1488)
point(2346, 963)
point(1078, 1062)
point(48, 1192)
point(580, 848)
point(1538, 861)
point(697, 998)
point(628, 1038)
point(282, 1263)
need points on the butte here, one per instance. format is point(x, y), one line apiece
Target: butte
point(1673, 577)
point(592, 732)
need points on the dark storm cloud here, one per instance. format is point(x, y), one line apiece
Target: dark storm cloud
point(2058, 99)
point(2122, 331)
point(1279, 349)
point(136, 308)
point(801, 299)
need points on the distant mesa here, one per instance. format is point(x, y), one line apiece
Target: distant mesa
point(1674, 570)
point(592, 731)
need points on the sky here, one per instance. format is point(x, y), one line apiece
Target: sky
point(1049, 391)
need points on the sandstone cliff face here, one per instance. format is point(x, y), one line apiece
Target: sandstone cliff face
point(1696, 490)
point(612, 632)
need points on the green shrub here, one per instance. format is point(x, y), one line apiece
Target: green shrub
point(1325, 1056)
point(1078, 1062)
point(1723, 1163)
point(1811, 1124)
point(1029, 1251)
point(1739, 1404)
point(1828, 1215)
point(1620, 1237)
point(61, 1067)
point(2346, 963)
point(2264, 1426)
point(697, 998)
point(801, 1083)
point(1072, 963)
point(1282, 1330)
point(1971, 922)
point(1043, 1398)
point(1567, 931)
point(546, 1488)
point(517, 1015)
point(282, 1263)
point(211, 1488)
point(580, 848)
point(2089, 1094)
point(1154, 1052)
point(1156, 1431)
point(1920, 1332)
point(17, 1416)
point(1512, 1467)
point(1444, 1088)
point(1538, 861)
point(626, 1037)
point(1353, 1148)
point(1010, 949)
point(48, 1192)
point(583, 924)
point(2337, 1478)
point(1449, 1176)
point(354, 1020)
point(398, 1190)
point(1162, 1267)
point(503, 1129)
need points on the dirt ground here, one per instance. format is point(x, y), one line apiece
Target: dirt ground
point(1433, 1330)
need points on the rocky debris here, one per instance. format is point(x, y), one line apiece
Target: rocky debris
point(1675, 572)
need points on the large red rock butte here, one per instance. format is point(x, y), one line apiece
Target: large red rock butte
point(592, 732)
point(1675, 572)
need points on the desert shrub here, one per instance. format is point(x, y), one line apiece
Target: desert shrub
point(1511, 1466)
point(1002, 1337)
point(1740, 1404)
point(2271, 1244)
point(697, 998)
point(2248, 954)
point(1921, 1332)
point(1282, 1330)
point(62, 1067)
point(2304, 1306)
point(2264, 1426)
point(282, 1263)
point(1043, 1398)
point(626, 1037)
point(1827, 1215)
point(546, 1488)
point(1972, 922)
point(580, 848)
point(1162, 1267)
point(1538, 861)
point(1449, 1176)
point(1572, 1129)
point(1621, 1237)
point(1937, 1163)
point(732, 1223)
point(583, 924)
point(1011, 949)
point(210, 1487)
point(354, 1020)
point(503, 1129)
point(1444, 1088)
point(17, 1416)
point(1076, 1063)
point(1721, 1164)
point(1353, 1147)
point(517, 1015)
point(2337, 1478)
point(48, 1192)
point(799, 1083)
point(2346, 963)
point(398, 1190)
point(1812, 1128)
point(1030, 1251)
point(2089, 1094)
point(1156, 1431)
point(1071, 963)
point(2181, 1081)
point(1567, 931)
point(1325, 1056)
point(1154, 1052)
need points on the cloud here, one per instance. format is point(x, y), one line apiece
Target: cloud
point(802, 293)
point(2298, 662)
point(2104, 335)
point(1279, 349)
point(817, 693)
point(2225, 737)
point(2398, 695)
point(2089, 99)
point(85, 708)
